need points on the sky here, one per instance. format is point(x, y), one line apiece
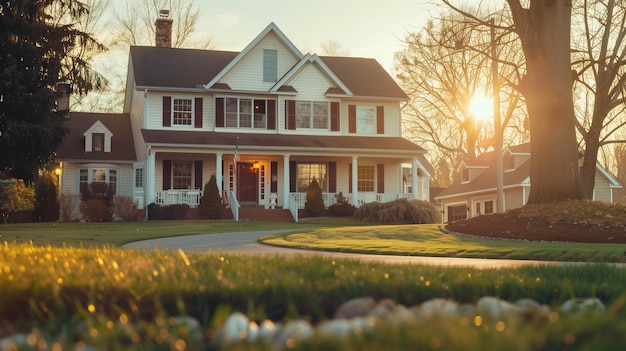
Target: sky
point(365, 28)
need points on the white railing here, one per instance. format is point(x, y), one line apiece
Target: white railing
point(362, 198)
point(293, 206)
point(234, 204)
point(189, 197)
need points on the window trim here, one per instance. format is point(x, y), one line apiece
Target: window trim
point(192, 112)
point(100, 138)
point(311, 114)
point(253, 120)
point(323, 182)
point(365, 125)
point(107, 174)
point(361, 180)
point(270, 66)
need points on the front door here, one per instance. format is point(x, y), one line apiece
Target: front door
point(247, 182)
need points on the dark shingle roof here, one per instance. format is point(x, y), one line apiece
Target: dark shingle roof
point(292, 142)
point(73, 146)
point(192, 68)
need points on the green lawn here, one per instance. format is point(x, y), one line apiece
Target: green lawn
point(120, 233)
point(429, 240)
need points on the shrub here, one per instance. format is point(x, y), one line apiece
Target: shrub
point(46, 201)
point(341, 207)
point(167, 213)
point(67, 203)
point(124, 207)
point(398, 211)
point(211, 205)
point(314, 204)
point(100, 191)
point(14, 196)
point(95, 210)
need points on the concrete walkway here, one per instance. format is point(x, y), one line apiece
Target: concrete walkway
point(247, 243)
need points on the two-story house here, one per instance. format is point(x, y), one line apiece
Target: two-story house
point(475, 193)
point(266, 121)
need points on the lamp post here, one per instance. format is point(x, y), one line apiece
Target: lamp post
point(497, 121)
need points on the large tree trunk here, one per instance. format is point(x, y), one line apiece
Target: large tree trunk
point(544, 29)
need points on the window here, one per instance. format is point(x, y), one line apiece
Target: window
point(366, 120)
point(477, 211)
point(270, 65)
point(245, 113)
point(139, 178)
point(366, 178)
point(488, 207)
point(312, 115)
point(97, 175)
point(97, 142)
point(307, 171)
point(466, 175)
point(181, 174)
point(182, 112)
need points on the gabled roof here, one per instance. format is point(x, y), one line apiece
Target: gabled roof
point(486, 180)
point(173, 68)
point(271, 28)
point(73, 146)
point(98, 125)
point(315, 60)
point(285, 142)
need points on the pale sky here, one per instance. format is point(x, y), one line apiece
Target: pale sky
point(365, 28)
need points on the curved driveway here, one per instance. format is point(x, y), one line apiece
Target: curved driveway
point(246, 243)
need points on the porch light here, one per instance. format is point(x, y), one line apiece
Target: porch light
point(256, 165)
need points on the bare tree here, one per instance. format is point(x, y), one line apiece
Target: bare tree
point(333, 48)
point(599, 61)
point(443, 68)
point(544, 29)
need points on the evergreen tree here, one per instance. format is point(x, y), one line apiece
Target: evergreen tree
point(314, 204)
point(211, 202)
point(40, 47)
point(46, 200)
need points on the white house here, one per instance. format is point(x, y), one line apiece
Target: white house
point(475, 192)
point(266, 120)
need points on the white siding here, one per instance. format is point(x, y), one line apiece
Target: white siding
point(393, 125)
point(601, 189)
point(311, 84)
point(137, 122)
point(247, 74)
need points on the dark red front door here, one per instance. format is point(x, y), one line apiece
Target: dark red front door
point(247, 183)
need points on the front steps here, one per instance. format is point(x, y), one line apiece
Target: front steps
point(264, 215)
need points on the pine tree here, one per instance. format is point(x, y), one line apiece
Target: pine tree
point(314, 204)
point(40, 47)
point(211, 202)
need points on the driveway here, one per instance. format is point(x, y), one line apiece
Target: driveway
point(246, 243)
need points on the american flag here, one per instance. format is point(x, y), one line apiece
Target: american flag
point(236, 155)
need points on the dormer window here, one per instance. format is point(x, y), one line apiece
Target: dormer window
point(466, 175)
point(270, 66)
point(97, 142)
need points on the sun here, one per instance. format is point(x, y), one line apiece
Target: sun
point(481, 107)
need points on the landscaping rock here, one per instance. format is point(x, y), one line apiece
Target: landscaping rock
point(358, 307)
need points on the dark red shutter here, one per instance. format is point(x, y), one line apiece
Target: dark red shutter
point(271, 114)
point(167, 111)
point(167, 174)
point(219, 112)
point(198, 113)
point(350, 178)
point(197, 168)
point(334, 116)
point(380, 119)
point(352, 118)
point(274, 179)
point(332, 177)
point(290, 114)
point(293, 177)
point(381, 178)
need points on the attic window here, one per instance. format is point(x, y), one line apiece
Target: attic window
point(466, 175)
point(97, 142)
point(270, 66)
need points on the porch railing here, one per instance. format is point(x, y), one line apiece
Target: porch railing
point(362, 198)
point(189, 197)
point(234, 204)
point(293, 206)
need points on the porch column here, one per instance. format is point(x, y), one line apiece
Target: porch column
point(355, 181)
point(414, 179)
point(219, 172)
point(150, 186)
point(286, 178)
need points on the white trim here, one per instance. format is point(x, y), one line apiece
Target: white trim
point(311, 59)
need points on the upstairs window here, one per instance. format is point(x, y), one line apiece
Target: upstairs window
point(182, 112)
point(245, 113)
point(366, 119)
point(97, 142)
point(312, 114)
point(270, 66)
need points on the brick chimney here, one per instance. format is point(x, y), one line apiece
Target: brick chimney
point(63, 91)
point(163, 29)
